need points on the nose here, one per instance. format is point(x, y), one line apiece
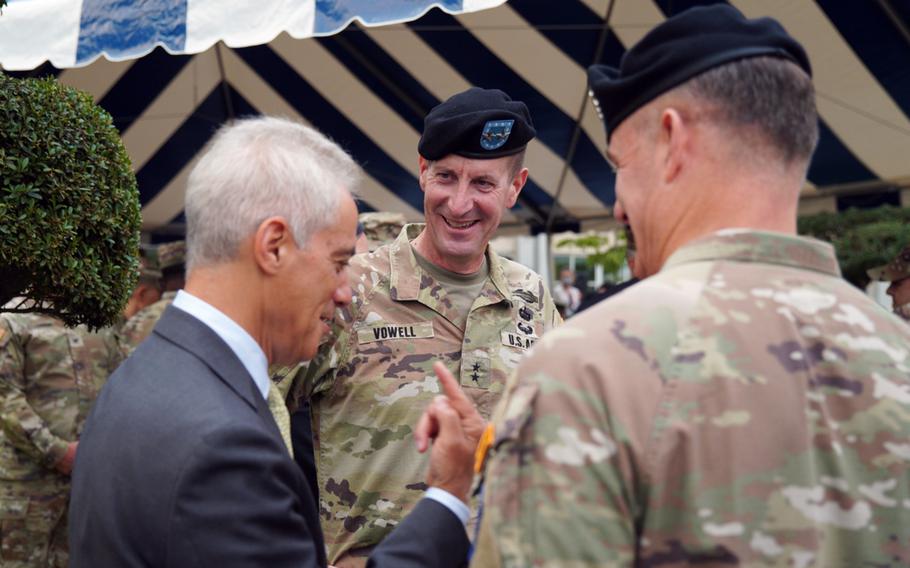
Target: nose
point(343, 293)
point(892, 288)
point(460, 203)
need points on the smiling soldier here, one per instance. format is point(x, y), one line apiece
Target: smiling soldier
point(438, 292)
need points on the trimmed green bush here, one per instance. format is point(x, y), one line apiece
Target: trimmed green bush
point(69, 206)
point(863, 238)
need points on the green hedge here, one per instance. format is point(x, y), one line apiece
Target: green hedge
point(863, 238)
point(69, 206)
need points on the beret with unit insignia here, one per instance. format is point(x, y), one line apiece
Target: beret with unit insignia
point(680, 48)
point(480, 124)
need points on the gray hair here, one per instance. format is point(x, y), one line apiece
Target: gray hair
point(769, 96)
point(258, 168)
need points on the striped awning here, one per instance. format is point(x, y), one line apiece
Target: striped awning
point(369, 86)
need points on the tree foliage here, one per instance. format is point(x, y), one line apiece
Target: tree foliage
point(69, 207)
point(863, 238)
point(603, 251)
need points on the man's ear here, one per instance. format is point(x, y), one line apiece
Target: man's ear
point(518, 182)
point(672, 143)
point(272, 243)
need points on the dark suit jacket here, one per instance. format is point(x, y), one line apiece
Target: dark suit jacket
point(180, 464)
point(302, 440)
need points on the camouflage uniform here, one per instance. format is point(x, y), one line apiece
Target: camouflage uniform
point(140, 326)
point(743, 406)
point(369, 386)
point(49, 378)
point(381, 227)
point(168, 258)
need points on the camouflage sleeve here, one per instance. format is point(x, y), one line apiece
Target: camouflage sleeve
point(556, 492)
point(23, 427)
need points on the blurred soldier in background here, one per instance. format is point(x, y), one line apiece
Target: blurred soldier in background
point(565, 295)
point(148, 287)
point(381, 227)
point(897, 272)
point(170, 259)
point(49, 378)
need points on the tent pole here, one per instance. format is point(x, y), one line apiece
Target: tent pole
point(576, 133)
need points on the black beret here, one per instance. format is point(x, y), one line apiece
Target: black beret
point(479, 124)
point(682, 47)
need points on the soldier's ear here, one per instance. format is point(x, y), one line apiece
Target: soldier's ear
point(518, 182)
point(674, 139)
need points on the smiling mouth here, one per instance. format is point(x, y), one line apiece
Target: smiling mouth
point(462, 225)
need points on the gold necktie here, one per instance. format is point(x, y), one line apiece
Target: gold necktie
point(280, 413)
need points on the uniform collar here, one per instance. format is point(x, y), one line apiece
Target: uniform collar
point(406, 276)
point(745, 245)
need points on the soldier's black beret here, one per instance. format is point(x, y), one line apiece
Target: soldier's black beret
point(682, 47)
point(478, 124)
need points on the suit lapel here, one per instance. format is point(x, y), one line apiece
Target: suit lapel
point(191, 334)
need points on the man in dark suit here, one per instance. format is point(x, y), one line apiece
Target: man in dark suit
point(184, 460)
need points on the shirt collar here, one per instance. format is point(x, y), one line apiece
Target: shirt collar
point(241, 343)
point(746, 245)
point(406, 274)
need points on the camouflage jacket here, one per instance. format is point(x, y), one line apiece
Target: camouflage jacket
point(140, 326)
point(369, 385)
point(744, 406)
point(49, 378)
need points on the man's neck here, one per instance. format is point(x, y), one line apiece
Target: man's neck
point(760, 202)
point(458, 265)
point(223, 286)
